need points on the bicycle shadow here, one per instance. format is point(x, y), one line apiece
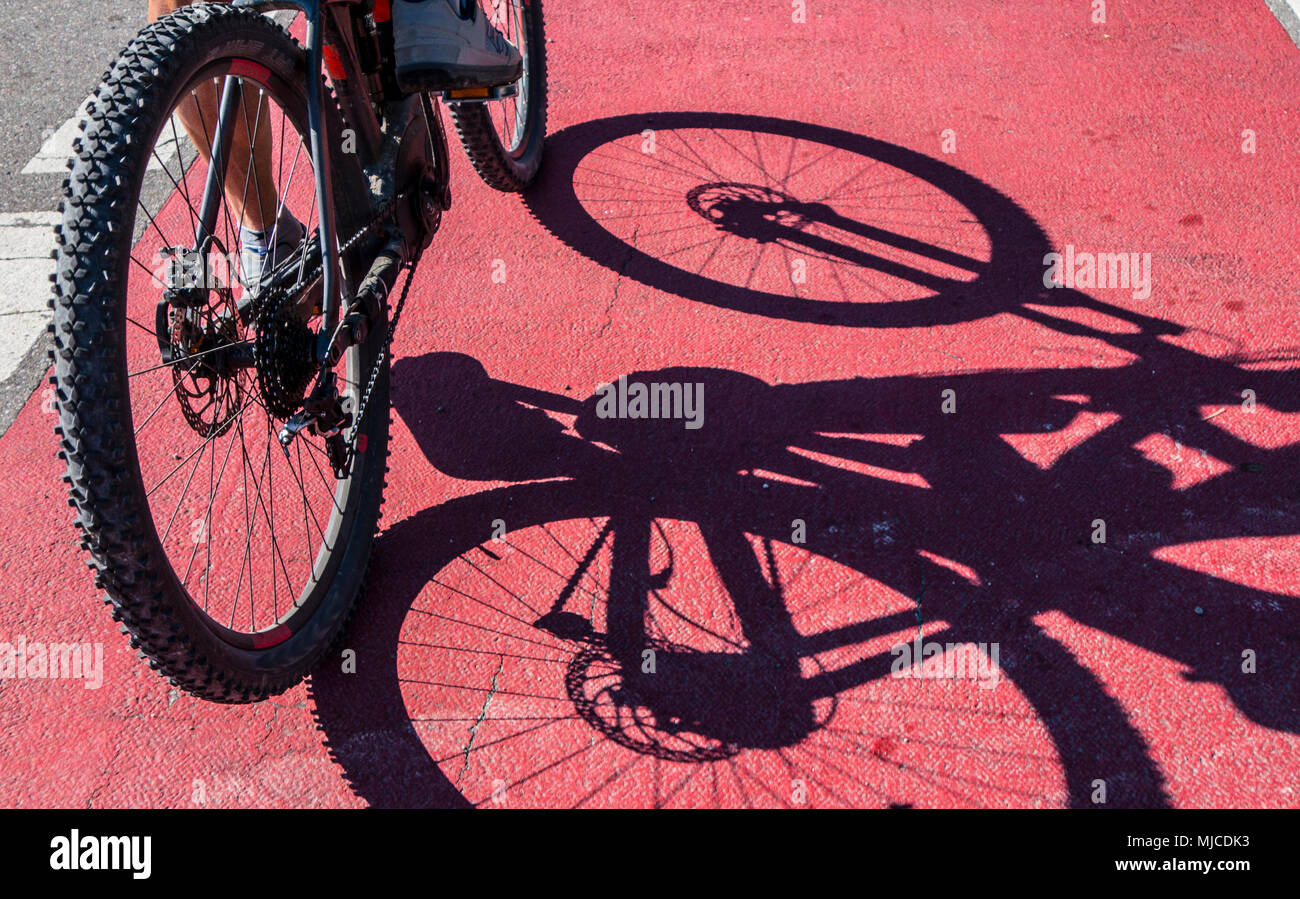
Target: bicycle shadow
point(982, 538)
point(1024, 532)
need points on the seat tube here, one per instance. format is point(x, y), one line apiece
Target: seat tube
point(629, 586)
point(321, 162)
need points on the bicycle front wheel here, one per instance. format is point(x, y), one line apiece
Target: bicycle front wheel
point(504, 138)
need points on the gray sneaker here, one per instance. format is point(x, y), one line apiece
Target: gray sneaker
point(436, 49)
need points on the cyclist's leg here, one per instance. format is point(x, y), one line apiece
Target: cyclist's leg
point(256, 205)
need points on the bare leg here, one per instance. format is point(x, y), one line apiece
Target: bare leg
point(253, 198)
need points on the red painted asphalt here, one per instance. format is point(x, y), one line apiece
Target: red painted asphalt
point(825, 335)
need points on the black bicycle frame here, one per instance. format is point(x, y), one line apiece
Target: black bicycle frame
point(321, 15)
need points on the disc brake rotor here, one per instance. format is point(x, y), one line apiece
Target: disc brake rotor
point(209, 394)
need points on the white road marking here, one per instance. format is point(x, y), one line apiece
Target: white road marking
point(26, 239)
point(1288, 13)
point(52, 157)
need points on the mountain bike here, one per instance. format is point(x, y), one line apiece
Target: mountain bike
point(226, 442)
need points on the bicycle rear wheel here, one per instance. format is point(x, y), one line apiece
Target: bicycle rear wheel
point(232, 563)
point(504, 138)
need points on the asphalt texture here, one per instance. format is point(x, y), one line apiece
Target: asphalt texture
point(841, 230)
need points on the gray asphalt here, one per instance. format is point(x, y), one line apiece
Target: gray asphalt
point(1286, 14)
point(53, 54)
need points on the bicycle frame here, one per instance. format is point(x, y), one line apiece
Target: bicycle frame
point(328, 22)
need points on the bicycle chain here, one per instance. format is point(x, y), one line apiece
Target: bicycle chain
point(376, 368)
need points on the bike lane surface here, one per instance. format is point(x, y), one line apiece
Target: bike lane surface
point(825, 280)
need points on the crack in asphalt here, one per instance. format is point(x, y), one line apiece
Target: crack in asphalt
point(482, 715)
point(618, 281)
point(919, 596)
point(104, 776)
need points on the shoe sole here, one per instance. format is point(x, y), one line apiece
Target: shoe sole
point(455, 77)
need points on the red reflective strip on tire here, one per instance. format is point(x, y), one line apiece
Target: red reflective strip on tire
point(274, 636)
point(383, 11)
point(361, 443)
point(246, 68)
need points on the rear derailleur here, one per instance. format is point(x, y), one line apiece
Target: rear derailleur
point(324, 415)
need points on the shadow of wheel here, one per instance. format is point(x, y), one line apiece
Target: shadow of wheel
point(787, 220)
point(458, 698)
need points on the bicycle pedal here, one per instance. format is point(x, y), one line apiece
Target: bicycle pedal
point(480, 94)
